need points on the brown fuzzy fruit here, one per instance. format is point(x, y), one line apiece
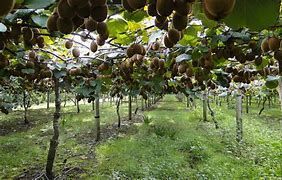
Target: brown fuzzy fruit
point(126, 6)
point(137, 4)
point(167, 42)
point(165, 7)
point(27, 33)
point(65, 10)
point(156, 46)
point(161, 22)
point(32, 55)
point(99, 13)
point(134, 49)
point(77, 3)
point(265, 45)
point(93, 46)
point(68, 44)
point(100, 41)
point(182, 7)
point(98, 2)
point(76, 52)
point(173, 36)
point(6, 7)
point(152, 11)
point(219, 8)
point(84, 11)
point(102, 28)
point(182, 68)
point(274, 43)
point(65, 26)
point(52, 23)
point(278, 55)
point(90, 24)
point(179, 22)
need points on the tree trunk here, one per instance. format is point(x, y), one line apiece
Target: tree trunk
point(55, 139)
point(279, 89)
point(25, 105)
point(119, 121)
point(97, 118)
point(205, 106)
point(77, 106)
point(239, 123)
point(129, 107)
point(48, 98)
point(247, 104)
point(65, 99)
point(142, 103)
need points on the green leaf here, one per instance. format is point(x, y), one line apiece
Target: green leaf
point(38, 4)
point(117, 26)
point(255, 15)
point(136, 16)
point(3, 28)
point(272, 82)
point(40, 20)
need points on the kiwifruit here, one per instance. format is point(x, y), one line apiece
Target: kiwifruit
point(75, 52)
point(161, 22)
point(84, 11)
point(209, 15)
point(4, 62)
point(179, 22)
point(65, 26)
point(99, 13)
point(40, 40)
point(102, 28)
point(27, 33)
point(173, 35)
point(152, 11)
point(252, 44)
point(274, 43)
point(250, 56)
point(278, 55)
point(182, 68)
point(32, 55)
point(134, 49)
point(189, 72)
point(2, 45)
point(100, 41)
point(90, 24)
point(162, 64)
point(265, 45)
point(143, 50)
point(103, 67)
point(65, 10)
point(126, 6)
point(74, 71)
point(52, 23)
point(77, 3)
point(29, 65)
point(98, 2)
point(156, 46)
point(219, 8)
point(154, 63)
point(137, 4)
point(182, 7)
point(258, 61)
point(68, 44)
point(78, 22)
point(93, 46)
point(6, 7)
point(165, 7)
point(167, 42)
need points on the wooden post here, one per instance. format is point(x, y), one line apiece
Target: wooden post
point(205, 106)
point(239, 123)
point(129, 107)
point(97, 118)
point(48, 98)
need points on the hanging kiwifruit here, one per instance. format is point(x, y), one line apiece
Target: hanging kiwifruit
point(167, 42)
point(2, 45)
point(265, 45)
point(173, 35)
point(179, 22)
point(93, 46)
point(84, 11)
point(77, 3)
point(27, 33)
point(52, 23)
point(98, 2)
point(278, 56)
point(134, 49)
point(75, 52)
point(99, 13)
point(65, 26)
point(161, 22)
point(165, 7)
point(65, 10)
point(274, 43)
point(219, 8)
point(100, 41)
point(258, 61)
point(102, 28)
point(152, 11)
point(182, 68)
point(68, 44)
point(6, 7)
point(32, 55)
point(78, 22)
point(90, 24)
point(127, 6)
point(155, 46)
point(182, 7)
point(137, 4)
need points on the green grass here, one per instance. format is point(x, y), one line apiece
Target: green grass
point(171, 144)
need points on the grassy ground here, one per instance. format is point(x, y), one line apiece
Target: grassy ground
point(171, 144)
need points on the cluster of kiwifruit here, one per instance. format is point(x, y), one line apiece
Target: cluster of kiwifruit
point(243, 76)
point(218, 9)
point(6, 7)
point(172, 37)
point(157, 65)
point(88, 14)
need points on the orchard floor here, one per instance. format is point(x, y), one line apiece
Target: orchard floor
point(171, 143)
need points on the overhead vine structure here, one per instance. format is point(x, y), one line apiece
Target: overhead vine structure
point(137, 47)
